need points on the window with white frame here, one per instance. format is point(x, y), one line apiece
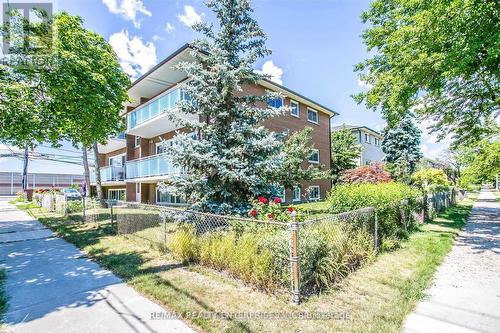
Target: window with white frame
point(117, 194)
point(377, 141)
point(312, 116)
point(314, 193)
point(137, 141)
point(167, 198)
point(367, 138)
point(294, 109)
point(314, 158)
point(296, 194)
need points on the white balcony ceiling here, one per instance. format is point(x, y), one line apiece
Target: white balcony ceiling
point(112, 145)
point(157, 126)
point(159, 78)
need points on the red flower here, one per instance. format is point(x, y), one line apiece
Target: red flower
point(291, 210)
point(253, 213)
point(270, 216)
point(277, 200)
point(263, 200)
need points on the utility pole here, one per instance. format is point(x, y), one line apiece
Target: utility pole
point(25, 170)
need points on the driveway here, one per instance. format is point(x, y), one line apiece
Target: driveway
point(53, 287)
point(465, 295)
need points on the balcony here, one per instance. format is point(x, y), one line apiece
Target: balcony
point(110, 174)
point(151, 168)
point(151, 119)
point(114, 143)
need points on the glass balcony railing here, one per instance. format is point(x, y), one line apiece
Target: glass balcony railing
point(155, 107)
point(152, 166)
point(110, 174)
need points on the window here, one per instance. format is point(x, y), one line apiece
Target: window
point(275, 102)
point(161, 147)
point(314, 193)
point(367, 138)
point(314, 158)
point(280, 193)
point(117, 194)
point(167, 198)
point(296, 194)
point(312, 116)
point(377, 141)
point(294, 109)
point(137, 141)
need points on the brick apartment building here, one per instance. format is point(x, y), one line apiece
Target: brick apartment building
point(132, 164)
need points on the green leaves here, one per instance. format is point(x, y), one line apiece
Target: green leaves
point(439, 57)
point(345, 152)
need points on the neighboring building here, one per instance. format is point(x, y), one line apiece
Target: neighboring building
point(11, 182)
point(371, 142)
point(133, 163)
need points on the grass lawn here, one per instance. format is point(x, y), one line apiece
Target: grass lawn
point(376, 298)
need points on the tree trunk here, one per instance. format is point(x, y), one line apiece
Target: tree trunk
point(25, 170)
point(98, 174)
point(86, 171)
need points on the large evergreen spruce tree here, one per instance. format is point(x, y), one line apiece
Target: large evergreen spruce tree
point(232, 157)
point(401, 146)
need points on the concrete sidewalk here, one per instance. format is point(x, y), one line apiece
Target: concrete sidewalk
point(465, 295)
point(53, 287)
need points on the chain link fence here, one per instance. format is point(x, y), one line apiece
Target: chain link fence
point(305, 257)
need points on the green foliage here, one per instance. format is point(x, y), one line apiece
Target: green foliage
point(441, 56)
point(297, 150)
point(345, 151)
point(386, 198)
point(401, 146)
point(483, 164)
point(87, 85)
point(77, 93)
point(431, 180)
point(74, 206)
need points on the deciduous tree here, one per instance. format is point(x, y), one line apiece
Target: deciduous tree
point(439, 57)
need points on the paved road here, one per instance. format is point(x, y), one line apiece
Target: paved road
point(465, 295)
point(53, 287)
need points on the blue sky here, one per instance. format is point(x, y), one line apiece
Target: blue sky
point(315, 45)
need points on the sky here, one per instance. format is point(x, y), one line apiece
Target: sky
point(315, 45)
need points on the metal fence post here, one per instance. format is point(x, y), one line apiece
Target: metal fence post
point(294, 258)
point(111, 212)
point(164, 218)
point(375, 233)
point(83, 212)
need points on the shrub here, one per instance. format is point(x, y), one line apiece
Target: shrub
point(386, 198)
point(373, 173)
point(431, 180)
point(74, 206)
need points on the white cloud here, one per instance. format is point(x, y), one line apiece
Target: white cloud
point(157, 38)
point(135, 56)
point(190, 16)
point(128, 9)
point(274, 72)
point(169, 28)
